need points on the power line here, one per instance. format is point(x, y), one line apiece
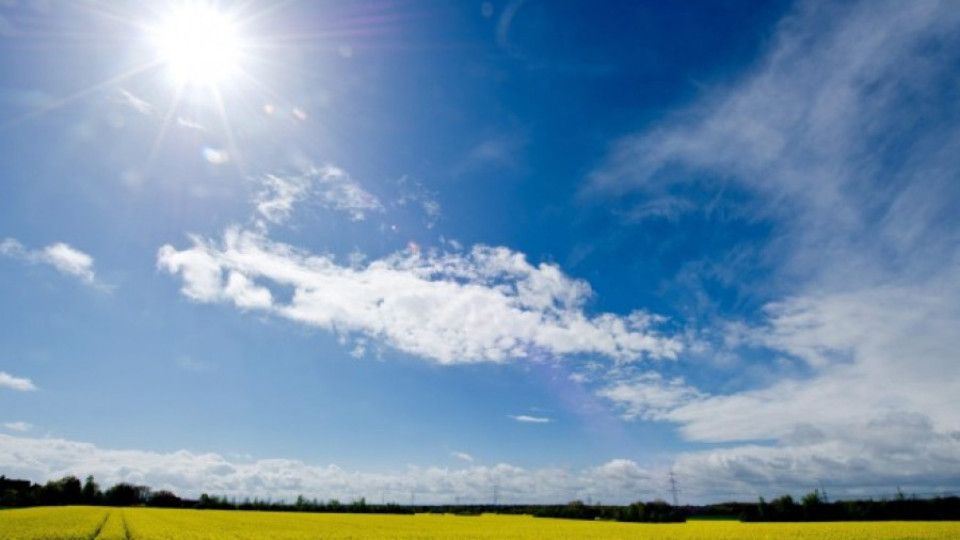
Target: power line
point(673, 488)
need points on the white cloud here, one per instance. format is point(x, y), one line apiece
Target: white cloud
point(275, 202)
point(649, 396)
point(18, 426)
point(69, 261)
point(462, 456)
point(191, 124)
point(328, 186)
point(412, 192)
point(527, 419)
point(63, 257)
point(839, 135)
point(842, 464)
point(16, 383)
point(141, 106)
point(844, 144)
point(12, 248)
point(486, 305)
point(501, 152)
point(190, 474)
point(900, 450)
point(874, 352)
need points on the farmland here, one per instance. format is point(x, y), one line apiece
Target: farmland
point(99, 523)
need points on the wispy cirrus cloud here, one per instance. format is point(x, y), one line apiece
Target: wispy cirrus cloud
point(140, 105)
point(528, 419)
point(842, 140)
point(18, 426)
point(65, 258)
point(413, 193)
point(826, 136)
point(462, 456)
point(649, 396)
point(500, 151)
point(486, 305)
point(328, 187)
point(16, 383)
point(856, 345)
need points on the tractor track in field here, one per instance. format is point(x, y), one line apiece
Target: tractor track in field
point(96, 533)
point(126, 531)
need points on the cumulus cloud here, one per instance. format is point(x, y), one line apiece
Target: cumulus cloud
point(490, 304)
point(190, 474)
point(527, 419)
point(66, 259)
point(16, 383)
point(328, 186)
point(840, 463)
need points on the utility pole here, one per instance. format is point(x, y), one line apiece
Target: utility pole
point(673, 488)
point(496, 493)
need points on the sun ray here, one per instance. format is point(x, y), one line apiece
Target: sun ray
point(233, 149)
point(84, 92)
point(258, 15)
point(164, 128)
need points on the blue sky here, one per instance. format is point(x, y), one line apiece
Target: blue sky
point(376, 248)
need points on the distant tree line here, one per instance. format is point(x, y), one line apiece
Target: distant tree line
point(638, 512)
point(814, 507)
point(69, 490)
point(302, 504)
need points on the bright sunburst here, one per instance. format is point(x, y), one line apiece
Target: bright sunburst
point(199, 44)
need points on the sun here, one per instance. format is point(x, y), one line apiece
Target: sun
point(199, 45)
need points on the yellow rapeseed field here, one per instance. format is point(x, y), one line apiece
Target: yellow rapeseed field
point(89, 523)
point(54, 523)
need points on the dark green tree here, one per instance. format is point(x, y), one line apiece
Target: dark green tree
point(90, 493)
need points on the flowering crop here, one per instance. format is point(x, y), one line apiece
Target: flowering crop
point(114, 528)
point(85, 523)
point(52, 523)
